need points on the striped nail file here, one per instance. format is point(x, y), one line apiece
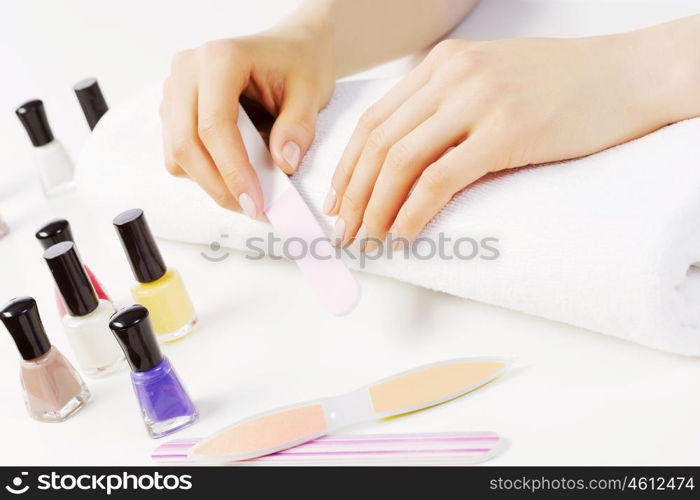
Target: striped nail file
point(439, 448)
point(293, 221)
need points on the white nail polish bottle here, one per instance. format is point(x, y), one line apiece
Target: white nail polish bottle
point(54, 165)
point(87, 322)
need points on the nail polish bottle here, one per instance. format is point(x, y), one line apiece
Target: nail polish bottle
point(53, 390)
point(159, 289)
point(54, 165)
point(55, 232)
point(164, 403)
point(87, 322)
point(91, 100)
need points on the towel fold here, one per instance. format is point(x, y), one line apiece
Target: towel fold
point(610, 242)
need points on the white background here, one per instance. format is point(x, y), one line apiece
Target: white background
point(264, 340)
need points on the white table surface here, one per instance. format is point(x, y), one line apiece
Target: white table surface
point(264, 340)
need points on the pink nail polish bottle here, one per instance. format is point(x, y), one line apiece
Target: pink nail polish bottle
point(55, 232)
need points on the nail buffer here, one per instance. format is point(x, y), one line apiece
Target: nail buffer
point(290, 426)
point(291, 218)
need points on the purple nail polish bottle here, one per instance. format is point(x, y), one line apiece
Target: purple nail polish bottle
point(164, 403)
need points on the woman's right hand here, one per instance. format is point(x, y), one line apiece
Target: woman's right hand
point(289, 72)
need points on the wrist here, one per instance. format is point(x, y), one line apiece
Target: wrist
point(663, 64)
point(311, 39)
point(314, 29)
point(312, 20)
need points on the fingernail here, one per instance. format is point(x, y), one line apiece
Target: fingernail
point(331, 198)
point(338, 232)
point(391, 238)
point(291, 153)
point(247, 205)
point(361, 237)
point(371, 246)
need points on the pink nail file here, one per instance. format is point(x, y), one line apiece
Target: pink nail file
point(428, 448)
point(291, 218)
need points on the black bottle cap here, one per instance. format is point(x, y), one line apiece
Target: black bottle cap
point(140, 247)
point(91, 100)
point(133, 330)
point(33, 116)
point(70, 277)
point(22, 320)
point(54, 232)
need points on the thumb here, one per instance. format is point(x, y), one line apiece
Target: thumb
point(294, 127)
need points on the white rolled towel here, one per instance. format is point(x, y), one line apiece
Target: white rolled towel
point(610, 242)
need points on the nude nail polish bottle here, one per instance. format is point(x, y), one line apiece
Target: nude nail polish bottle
point(165, 405)
point(57, 231)
point(86, 323)
point(53, 390)
point(91, 100)
point(159, 289)
point(54, 165)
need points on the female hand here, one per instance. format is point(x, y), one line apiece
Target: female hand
point(471, 108)
point(287, 71)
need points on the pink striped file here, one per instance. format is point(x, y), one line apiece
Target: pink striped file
point(439, 448)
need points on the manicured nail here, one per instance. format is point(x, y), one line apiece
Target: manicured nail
point(247, 205)
point(361, 237)
point(331, 198)
point(391, 238)
point(371, 246)
point(291, 153)
point(338, 232)
point(398, 244)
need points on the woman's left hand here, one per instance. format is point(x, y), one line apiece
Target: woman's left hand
point(471, 108)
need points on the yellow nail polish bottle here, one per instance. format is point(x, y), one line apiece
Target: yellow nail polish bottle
point(159, 289)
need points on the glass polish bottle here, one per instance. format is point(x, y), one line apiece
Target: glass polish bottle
point(91, 100)
point(54, 165)
point(57, 231)
point(53, 390)
point(165, 405)
point(159, 289)
point(87, 323)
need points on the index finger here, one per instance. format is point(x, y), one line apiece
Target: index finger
point(220, 87)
